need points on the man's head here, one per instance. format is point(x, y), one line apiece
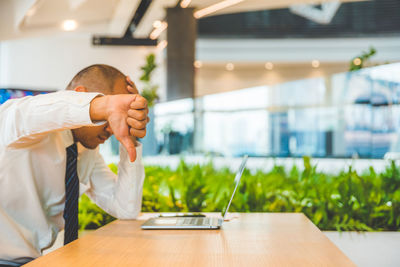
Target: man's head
point(103, 79)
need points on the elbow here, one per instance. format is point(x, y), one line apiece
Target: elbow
point(128, 214)
point(129, 211)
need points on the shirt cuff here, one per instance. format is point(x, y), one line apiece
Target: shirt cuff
point(81, 108)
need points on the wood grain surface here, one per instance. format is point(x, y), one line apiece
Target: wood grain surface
point(250, 239)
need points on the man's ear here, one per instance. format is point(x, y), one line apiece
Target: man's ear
point(80, 88)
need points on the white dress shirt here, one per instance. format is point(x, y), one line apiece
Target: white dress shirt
point(34, 134)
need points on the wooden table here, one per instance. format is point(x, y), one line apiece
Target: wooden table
point(251, 239)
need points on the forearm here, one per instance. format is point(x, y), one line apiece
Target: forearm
point(119, 195)
point(27, 120)
point(129, 187)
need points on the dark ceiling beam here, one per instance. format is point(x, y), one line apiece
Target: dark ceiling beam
point(140, 11)
point(128, 39)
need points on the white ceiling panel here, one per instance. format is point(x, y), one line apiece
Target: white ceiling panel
point(23, 18)
point(51, 13)
point(122, 16)
point(110, 17)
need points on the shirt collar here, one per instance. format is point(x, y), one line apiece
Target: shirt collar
point(67, 137)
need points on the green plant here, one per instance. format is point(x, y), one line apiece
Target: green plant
point(346, 201)
point(90, 216)
point(360, 61)
point(149, 90)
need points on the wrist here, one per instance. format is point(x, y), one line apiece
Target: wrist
point(99, 108)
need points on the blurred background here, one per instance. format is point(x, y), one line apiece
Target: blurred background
point(309, 89)
point(264, 78)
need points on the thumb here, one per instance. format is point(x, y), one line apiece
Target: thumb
point(127, 142)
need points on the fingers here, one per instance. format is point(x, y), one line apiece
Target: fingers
point(131, 87)
point(137, 121)
point(139, 115)
point(120, 128)
point(129, 118)
point(132, 90)
point(139, 103)
point(129, 81)
point(127, 142)
point(137, 133)
point(136, 124)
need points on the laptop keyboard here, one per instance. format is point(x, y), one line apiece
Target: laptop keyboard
point(195, 221)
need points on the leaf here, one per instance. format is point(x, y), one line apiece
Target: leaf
point(346, 201)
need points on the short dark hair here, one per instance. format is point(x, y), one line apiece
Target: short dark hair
point(97, 78)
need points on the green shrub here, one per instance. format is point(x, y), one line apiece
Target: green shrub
point(347, 201)
point(90, 216)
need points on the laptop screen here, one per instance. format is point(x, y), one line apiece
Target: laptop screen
point(236, 183)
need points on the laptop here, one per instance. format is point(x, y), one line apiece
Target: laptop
point(187, 222)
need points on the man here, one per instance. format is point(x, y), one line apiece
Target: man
point(49, 156)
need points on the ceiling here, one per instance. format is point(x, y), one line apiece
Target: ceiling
point(21, 18)
point(157, 9)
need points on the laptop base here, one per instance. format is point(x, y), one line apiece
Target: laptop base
point(186, 223)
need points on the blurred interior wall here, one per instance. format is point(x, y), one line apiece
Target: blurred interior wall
point(50, 62)
point(214, 78)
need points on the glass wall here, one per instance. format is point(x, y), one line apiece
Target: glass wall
point(6, 94)
point(354, 114)
point(174, 126)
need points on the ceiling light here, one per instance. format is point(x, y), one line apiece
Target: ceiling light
point(357, 61)
point(214, 8)
point(230, 66)
point(157, 31)
point(69, 25)
point(269, 65)
point(185, 3)
point(161, 45)
point(31, 12)
point(157, 24)
point(315, 63)
point(198, 64)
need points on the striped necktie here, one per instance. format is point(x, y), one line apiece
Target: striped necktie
point(71, 196)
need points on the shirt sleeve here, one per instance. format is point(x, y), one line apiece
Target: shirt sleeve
point(120, 196)
point(26, 121)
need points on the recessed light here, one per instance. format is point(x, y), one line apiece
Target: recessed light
point(215, 7)
point(161, 45)
point(157, 31)
point(185, 3)
point(157, 24)
point(315, 63)
point(198, 64)
point(357, 61)
point(69, 25)
point(269, 65)
point(230, 66)
point(31, 12)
